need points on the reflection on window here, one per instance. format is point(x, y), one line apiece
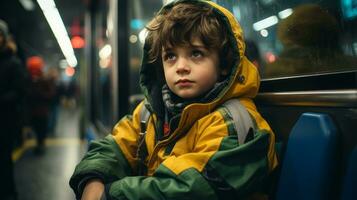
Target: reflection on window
point(103, 65)
point(141, 13)
point(286, 38)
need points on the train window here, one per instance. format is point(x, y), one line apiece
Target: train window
point(103, 66)
point(287, 38)
point(141, 13)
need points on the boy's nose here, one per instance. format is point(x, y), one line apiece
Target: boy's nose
point(183, 66)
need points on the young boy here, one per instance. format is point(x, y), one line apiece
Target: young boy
point(193, 62)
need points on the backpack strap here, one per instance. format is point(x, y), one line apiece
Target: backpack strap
point(141, 152)
point(243, 122)
point(144, 117)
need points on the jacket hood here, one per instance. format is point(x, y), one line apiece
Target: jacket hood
point(243, 78)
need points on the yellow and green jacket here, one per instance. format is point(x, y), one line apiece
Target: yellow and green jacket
point(201, 158)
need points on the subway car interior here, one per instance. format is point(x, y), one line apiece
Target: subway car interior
point(89, 54)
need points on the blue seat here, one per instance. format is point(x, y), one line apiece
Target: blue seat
point(349, 191)
point(309, 161)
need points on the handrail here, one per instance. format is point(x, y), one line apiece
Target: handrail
point(316, 98)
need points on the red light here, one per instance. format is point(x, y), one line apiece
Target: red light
point(270, 57)
point(70, 71)
point(77, 42)
point(35, 62)
point(35, 65)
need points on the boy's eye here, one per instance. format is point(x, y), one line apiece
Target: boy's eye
point(197, 53)
point(169, 56)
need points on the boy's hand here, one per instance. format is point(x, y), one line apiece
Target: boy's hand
point(93, 190)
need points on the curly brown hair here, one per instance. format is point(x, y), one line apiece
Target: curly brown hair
point(183, 23)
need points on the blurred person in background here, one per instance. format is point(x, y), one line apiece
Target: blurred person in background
point(21, 105)
point(69, 93)
point(12, 92)
point(41, 94)
point(311, 43)
point(53, 76)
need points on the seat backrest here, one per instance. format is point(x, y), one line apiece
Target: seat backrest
point(349, 190)
point(309, 161)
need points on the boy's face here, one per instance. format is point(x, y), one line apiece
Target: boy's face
point(190, 71)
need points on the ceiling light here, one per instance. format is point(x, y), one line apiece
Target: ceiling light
point(264, 33)
point(285, 13)
point(265, 23)
point(27, 4)
point(105, 52)
point(54, 19)
point(142, 35)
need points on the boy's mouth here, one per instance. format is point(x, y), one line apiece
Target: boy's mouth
point(183, 81)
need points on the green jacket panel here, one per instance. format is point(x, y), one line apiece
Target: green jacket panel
point(190, 184)
point(103, 160)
